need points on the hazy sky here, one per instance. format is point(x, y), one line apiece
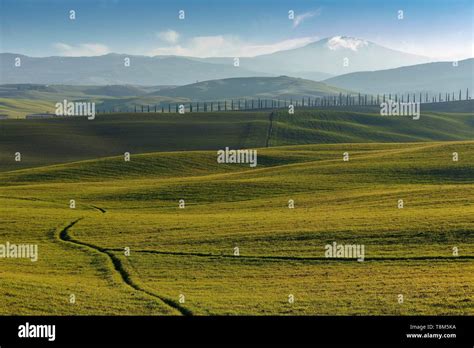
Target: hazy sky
point(434, 28)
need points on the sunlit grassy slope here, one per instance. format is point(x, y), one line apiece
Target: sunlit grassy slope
point(44, 142)
point(18, 108)
point(190, 251)
point(329, 126)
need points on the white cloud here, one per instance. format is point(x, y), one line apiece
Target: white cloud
point(302, 17)
point(228, 46)
point(169, 36)
point(86, 49)
point(351, 43)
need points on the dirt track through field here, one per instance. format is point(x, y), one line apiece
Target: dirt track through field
point(302, 258)
point(65, 236)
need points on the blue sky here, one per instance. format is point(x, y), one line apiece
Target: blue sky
point(435, 28)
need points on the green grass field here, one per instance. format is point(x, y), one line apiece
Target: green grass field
point(182, 261)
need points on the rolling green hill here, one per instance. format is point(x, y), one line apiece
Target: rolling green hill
point(329, 126)
point(190, 252)
point(124, 98)
point(18, 100)
point(71, 139)
point(282, 87)
point(18, 108)
point(62, 140)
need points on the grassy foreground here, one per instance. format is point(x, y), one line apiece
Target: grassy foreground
point(188, 254)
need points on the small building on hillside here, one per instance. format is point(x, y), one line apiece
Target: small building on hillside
point(3, 116)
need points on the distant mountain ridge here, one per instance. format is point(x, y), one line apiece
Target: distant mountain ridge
point(318, 60)
point(435, 77)
point(110, 69)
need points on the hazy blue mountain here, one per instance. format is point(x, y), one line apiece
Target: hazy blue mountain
point(430, 77)
point(327, 56)
point(251, 87)
point(317, 61)
point(110, 70)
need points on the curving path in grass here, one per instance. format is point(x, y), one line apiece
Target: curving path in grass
point(65, 236)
